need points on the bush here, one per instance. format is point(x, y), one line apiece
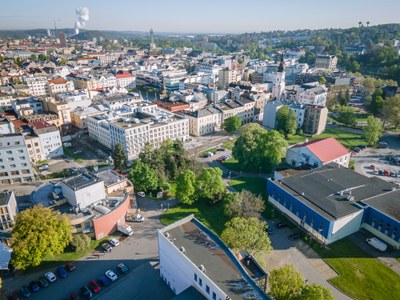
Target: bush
point(80, 242)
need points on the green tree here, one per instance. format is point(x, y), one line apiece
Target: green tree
point(246, 234)
point(244, 204)
point(80, 242)
point(315, 292)
point(347, 116)
point(249, 127)
point(373, 130)
point(119, 157)
point(286, 283)
point(352, 164)
point(391, 111)
point(232, 124)
point(38, 231)
point(259, 149)
point(322, 80)
point(185, 187)
point(376, 104)
point(286, 121)
point(43, 57)
point(143, 177)
point(209, 185)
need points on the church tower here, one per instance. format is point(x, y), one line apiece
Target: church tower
point(278, 88)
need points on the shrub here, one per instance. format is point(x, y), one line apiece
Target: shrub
point(80, 242)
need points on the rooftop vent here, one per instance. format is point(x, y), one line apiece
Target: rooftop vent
point(183, 250)
point(167, 235)
point(350, 198)
point(394, 189)
point(202, 268)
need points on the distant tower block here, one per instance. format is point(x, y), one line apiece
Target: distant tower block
point(63, 40)
point(152, 43)
point(278, 88)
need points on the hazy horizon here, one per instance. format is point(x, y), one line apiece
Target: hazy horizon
point(178, 16)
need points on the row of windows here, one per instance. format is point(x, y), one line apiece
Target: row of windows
point(384, 229)
point(200, 282)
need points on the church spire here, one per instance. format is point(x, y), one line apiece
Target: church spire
point(281, 67)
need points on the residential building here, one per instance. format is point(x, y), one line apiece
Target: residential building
point(318, 153)
point(204, 121)
point(114, 102)
point(315, 119)
point(312, 94)
point(27, 107)
point(299, 111)
point(62, 109)
point(80, 114)
point(49, 139)
point(332, 202)
point(125, 79)
point(15, 166)
point(60, 85)
point(37, 84)
point(134, 126)
point(227, 76)
point(34, 148)
point(196, 264)
point(6, 126)
point(270, 110)
point(8, 210)
point(326, 62)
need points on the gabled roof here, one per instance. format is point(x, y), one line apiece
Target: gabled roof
point(326, 149)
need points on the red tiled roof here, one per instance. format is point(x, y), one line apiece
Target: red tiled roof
point(326, 149)
point(58, 80)
point(123, 75)
point(40, 124)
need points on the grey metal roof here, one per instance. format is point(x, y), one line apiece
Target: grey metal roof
point(388, 203)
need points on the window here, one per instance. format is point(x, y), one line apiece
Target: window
point(214, 296)
point(200, 282)
point(195, 277)
point(207, 289)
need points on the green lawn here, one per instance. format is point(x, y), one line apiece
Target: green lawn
point(211, 216)
point(213, 150)
point(256, 185)
point(296, 139)
point(229, 143)
point(360, 275)
point(231, 164)
point(348, 139)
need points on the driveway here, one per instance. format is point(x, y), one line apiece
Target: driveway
point(297, 253)
point(139, 252)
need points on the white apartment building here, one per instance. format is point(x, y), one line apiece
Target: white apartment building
point(27, 107)
point(49, 139)
point(134, 126)
point(115, 102)
point(227, 76)
point(6, 126)
point(60, 85)
point(125, 80)
point(15, 166)
point(204, 121)
point(312, 95)
point(75, 99)
point(8, 210)
point(194, 261)
point(106, 81)
point(34, 150)
point(37, 85)
point(299, 111)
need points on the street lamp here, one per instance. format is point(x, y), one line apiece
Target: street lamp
point(229, 176)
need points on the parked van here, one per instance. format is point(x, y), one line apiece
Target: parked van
point(377, 244)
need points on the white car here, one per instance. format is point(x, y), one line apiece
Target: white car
point(141, 194)
point(111, 275)
point(114, 242)
point(50, 277)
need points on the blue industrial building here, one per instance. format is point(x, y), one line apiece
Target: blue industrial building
point(332, 202)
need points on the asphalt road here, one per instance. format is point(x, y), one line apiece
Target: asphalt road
point(139, 252)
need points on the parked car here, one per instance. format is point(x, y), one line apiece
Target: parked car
point(270, 230)
point(34, 286)
point(294, 236)
point(43, 167)
point(75, 296)
point(114, 242)
point(43, 282)
point(111, 275)
point(86, 293)
point(221, 149)
point(50, 277)
point(383, 145)
point(281, 225)
point(103, 281)
point(376, 172)
point(380, 172)
point(70, 267)
point(25, 292)
point(141, 194)
point(362, 147)
point(122, 268)
point(94, 286)
point(62, 272)
point(356, 149)
point(106, 247)
point(74, 169)
point(208, 154)
point(372, 167)
point(77, 151)
point(386, 173)
point(220, 159)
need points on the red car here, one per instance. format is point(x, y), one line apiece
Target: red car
point(372, 167)
point(93, 285)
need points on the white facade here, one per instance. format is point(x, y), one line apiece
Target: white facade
point(278, 88)
point(61, 85)
point(26, 107)
point(50, 141)
point(204, 121)
point(270, 110)
point(313, 96)
point(299, 110)
point(6, 126)
point(14, 160)
point(37, 85)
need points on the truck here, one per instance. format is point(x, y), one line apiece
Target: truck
point(377, 244)
point(125, 229)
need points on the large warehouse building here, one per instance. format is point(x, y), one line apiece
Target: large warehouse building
point(332, 202)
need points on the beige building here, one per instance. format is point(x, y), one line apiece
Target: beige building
point(226, 76)
point(315, 119)
point(326, 62)
point(37, 85)
point(60, 108)
point(8, 210)
point(60, 85)
point(204, 121)
point(34, 150)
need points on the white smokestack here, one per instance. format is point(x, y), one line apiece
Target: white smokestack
point(83, 16)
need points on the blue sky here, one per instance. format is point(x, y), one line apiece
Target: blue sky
point(199, 16)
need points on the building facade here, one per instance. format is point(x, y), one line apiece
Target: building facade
point(8, 210)
point(315, 118)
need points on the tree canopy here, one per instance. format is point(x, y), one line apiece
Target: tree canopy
point(185, 187)
point(119, 157)
point(209, 185)
point(373, 130)
point(259, 149)
point(286, 283)
point(38, 231)
point(391, 111)
point(143, 177)
point(232, 124)
point(315, 292)
point(246, 234)
point(346, 115)
point(286, 121)
point(244, 204)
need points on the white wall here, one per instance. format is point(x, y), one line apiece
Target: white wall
point(85, 196)
point(381, 236)
point(299, 154)
point(345, 226)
